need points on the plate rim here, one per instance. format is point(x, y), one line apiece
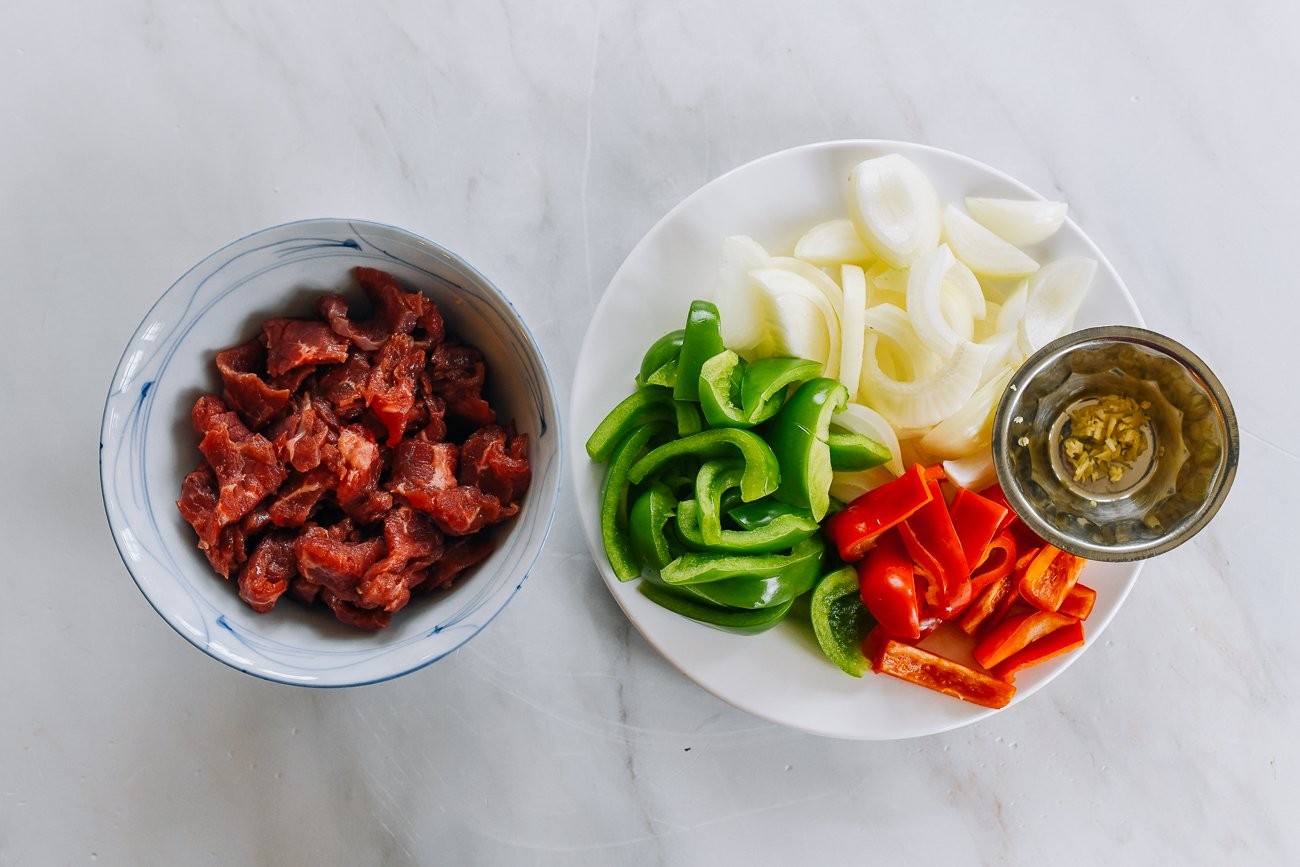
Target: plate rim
point(579, 456)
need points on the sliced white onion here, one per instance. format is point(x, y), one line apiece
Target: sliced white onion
point(1004, 350)
point(962, 281)
point(1013, 308)
point(799, 320)
point(1019, 222)
point(859, 419)
point(987, 327)
point(925, 401)
point(853, 325)
point(824, 282)
point(739, 306)
point(886, 285)
point(925, 285)
point(889, 321)
point(1054, 296)
point(915, 453)
point(832, 243)
point(847, 487)
point(982, 251)
point(970, 427)
point(894, 208)
point(975, 471)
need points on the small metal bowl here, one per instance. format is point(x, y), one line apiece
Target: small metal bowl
point(1158, 500)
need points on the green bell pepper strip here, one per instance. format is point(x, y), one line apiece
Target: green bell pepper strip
point(749, 622)
point(720, 379)
point(853, 452)
point(798, 435)
point(840, 620)
point(763, 386)
point(751, 516)
point(646, 522)
point(613, 501)
point(701, 341)
point(715, 479)
point(762, 472)
point(661, 353)
point(666, 375)
point(780, 534)
point(702, 568)
point(689, 419)
point(645, 405)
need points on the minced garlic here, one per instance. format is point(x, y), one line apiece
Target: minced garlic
point(1106, 437)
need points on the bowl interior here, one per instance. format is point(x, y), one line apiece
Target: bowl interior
point(1159, 499)
point(149, 446)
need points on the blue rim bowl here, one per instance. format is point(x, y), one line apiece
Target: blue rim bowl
point(147, 446)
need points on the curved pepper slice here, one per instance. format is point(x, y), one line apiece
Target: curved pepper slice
point(932, 541)
point(798, 433)
point(662, 353)
point(613, 501)
point(1050, 577)
point(761, 475)
point(736, 394)
point(701, 340)
point(802, 563)
point(646, 522)
point(855, 529)
point(645, 405)
point(1063, 640)
point(888, 584)
point(760, 513)
point(689, 419)
point(976, 521)
point(840, 620)
point(779, 534)
point(1016, 633)
point(988, 606)
point(999, 561)
point(766, 380)
point(851, 452)
point(1079, 602)
point(748, 622)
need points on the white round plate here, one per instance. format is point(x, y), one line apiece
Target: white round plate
point(781, 675)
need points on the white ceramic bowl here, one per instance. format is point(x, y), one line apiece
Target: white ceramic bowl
point(147, 446)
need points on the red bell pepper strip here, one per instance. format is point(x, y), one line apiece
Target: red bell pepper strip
point(935, 473)
point(1079, 601)
point(994, 494)
point(932, 541)
point(1063, 640)
point(932, 671)
point(976, 521)
point(1049, 578)
point(1016, 633)
point(999, 561)
point(888, 587)
point(985, 610)
point(856, 528)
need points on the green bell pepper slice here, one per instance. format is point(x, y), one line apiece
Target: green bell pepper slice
point(762, 472)
point(645, 405)
point(751, 516)
point(662, 353)
point(840, 620)
point(798, 435)
point(801, 565)
point(689, 419)
point(647, 521)
point(613, 500)
point(765, 381)
point(736, 394)
point(742, 622)
point(701, 341)
point(851, 452)
point(780, 534)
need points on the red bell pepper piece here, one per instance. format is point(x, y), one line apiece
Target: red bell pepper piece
point(935, 473)
point(1079, 601)
point(988, 606)
point(932, 671)
point(855, 529)
point(888, 586)
point(994, 494)
point(976, 521)
point(1016, 633)
point(999, 561)
point(1062, 640)
point(932, 541)
point(1049, 577)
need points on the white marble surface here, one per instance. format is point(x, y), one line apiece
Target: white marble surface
point(541, 140)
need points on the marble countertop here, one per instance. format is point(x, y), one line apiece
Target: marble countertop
point(541, 140)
